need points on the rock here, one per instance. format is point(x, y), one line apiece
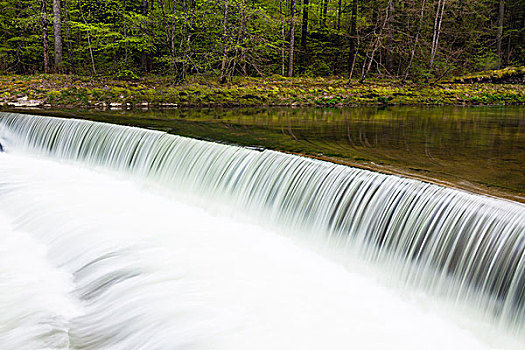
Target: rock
point(24, 101)
point(169, 105)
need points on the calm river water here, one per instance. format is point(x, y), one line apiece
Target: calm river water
point(481, 149)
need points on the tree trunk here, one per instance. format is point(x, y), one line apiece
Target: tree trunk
point(283, 39)
point(189, 33)
point(389, 58)
point(304, 35)
point(324, 11)
point(243, 38)
point(292, 38)
point(339, 9)
point(353, 38)
point(416, 39)
point(321, 6)
point(45, 39)
point(437, 31)
point(499, 39)
point(366, 68)
point(57, 26)
point(144, 54)
point(283, 61)
point(68, 38)
point(89, 43)
point(222, 78)
point(165, 25)
point(173, 31)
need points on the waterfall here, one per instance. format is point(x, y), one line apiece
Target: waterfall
point(466, 247)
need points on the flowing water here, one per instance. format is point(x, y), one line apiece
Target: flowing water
point(120, 238)
point(480, 149)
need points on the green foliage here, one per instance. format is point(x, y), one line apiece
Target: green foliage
point(126, 39)
point(125, 74)
point(486, 61)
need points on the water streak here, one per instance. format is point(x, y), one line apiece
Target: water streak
point(467, 247)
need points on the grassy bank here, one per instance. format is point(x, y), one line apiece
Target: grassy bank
point(74, 91)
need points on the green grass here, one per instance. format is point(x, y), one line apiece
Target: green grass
point(74, 91)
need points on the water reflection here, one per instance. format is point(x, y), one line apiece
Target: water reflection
point(475, 148)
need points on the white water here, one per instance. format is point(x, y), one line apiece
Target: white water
point(127, 268)
point(178, 276)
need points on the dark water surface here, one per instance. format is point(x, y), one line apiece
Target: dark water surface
point(476, 148)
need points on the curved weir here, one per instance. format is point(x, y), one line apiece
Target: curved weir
point(468, 247)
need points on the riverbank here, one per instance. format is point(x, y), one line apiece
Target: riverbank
point(65, 91)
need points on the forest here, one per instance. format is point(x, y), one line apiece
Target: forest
point(406, 40)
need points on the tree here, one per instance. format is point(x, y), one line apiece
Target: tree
point(243, 37)
point(499, 38)
point(45, 40)
point(304, 35)
point(437, 31)
point(389, 58)
point(283, 39)
point(416, 40)
point(324, 11)
point(379, 37)
point(339, 10)
point(222, 78)
point(292, 39)
point(123, 38)
point(353, 38)
point(57, 27)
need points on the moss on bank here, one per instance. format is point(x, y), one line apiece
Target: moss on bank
point(509, 75)
point(75, 91)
